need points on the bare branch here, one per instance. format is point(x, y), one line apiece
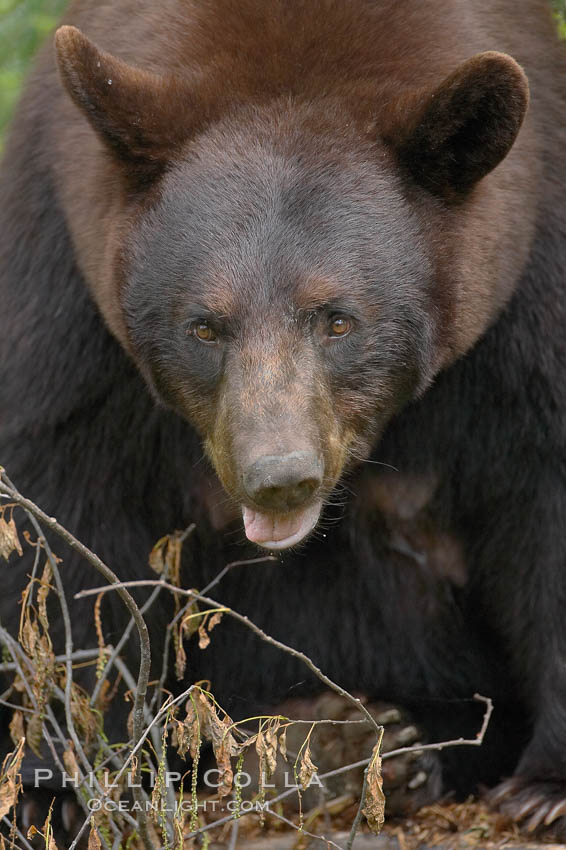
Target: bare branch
point(301, 656)
point(7, 488)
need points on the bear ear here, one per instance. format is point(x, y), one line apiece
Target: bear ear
point(142, 117)
point(466, 126)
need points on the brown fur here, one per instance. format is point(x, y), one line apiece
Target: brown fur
point(263, 166)
point(263, 53)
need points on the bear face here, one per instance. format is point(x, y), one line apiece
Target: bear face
point(251, 324)
point(278, 274)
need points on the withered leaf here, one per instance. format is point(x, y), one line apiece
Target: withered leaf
point(85, 719)
point(165, 557)
point(222, 754)
point(130, 723)
point(10, 782)
point(224, 747)
point(307, 768)
point(48, 831)
point(187, 732)
point(266, 748)
point(374, 809)
point(17, 727)
point(205, 626)
point(271, 747)
point(214, 620)
point(9, 540)
point(283, 743)
point(34, 733)
point(42, 594)
point(203, 724)
point(173, 558)
point(203, 638)
point(71, 763)
point(157, 555)
point(180, 654)
point(191, 620)
point(93, 839)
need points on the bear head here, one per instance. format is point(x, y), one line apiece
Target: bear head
point(289, 273)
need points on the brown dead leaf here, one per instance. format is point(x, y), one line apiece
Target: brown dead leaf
point(203, 638)
point(157, 555)
point(225, 747)
point(98, 625)
point(86, 720)
point(71, 764)
point(10, 781)
point(203, 724)
point(222, 746)
point(188, 732)
point(42, 594)
point(214, 620)
point(165, 557)
point(34, 733)
point(173, 558)
point(271, 747)
point(48, 831)
point(283, 743)
point(9, 540)
point(93, 839)
point(191, 621)
point(17, 727)
point(206, 626)
point(374, 808)
point(130, 723)
point(307, 768)
point(36, 643)
point(180, 654)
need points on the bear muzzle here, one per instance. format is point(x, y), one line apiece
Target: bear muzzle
point(281, 488)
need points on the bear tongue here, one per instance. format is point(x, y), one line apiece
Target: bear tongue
point(280, 531)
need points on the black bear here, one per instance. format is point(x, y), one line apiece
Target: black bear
point(325, 243)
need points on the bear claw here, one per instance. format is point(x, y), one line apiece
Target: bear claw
point(535, 804)
point(410, 780)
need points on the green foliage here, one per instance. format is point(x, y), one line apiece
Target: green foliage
point(25, 23)
point(559, 7)
point(23, 26)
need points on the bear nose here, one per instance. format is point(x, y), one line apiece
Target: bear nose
point(283, 482)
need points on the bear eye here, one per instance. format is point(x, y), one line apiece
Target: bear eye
point(340, 326)
point(204, 332)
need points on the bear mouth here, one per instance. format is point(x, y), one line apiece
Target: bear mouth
point(280, 531)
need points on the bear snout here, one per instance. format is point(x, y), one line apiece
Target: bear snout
point(283, 482)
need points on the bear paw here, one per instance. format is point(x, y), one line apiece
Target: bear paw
point(534, 804)
point(410, 780)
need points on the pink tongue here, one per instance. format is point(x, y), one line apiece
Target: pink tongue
point(264, 529)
